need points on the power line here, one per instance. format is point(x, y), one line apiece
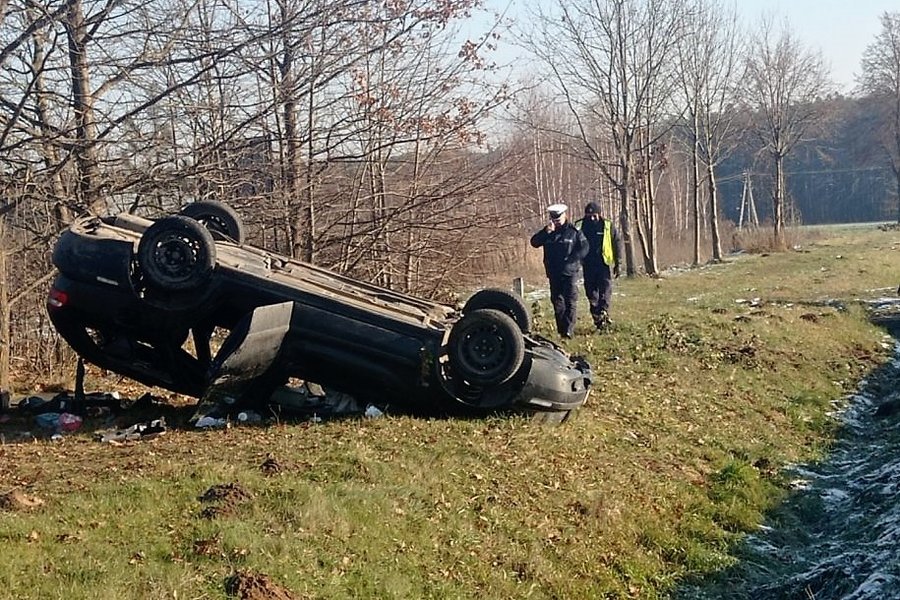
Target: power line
point(742, 174)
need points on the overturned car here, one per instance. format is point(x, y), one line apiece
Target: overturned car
point(144, 298)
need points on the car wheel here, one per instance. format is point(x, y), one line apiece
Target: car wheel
point(504, 301)
point(486, 347)
point(222, 221)
point(176, 253)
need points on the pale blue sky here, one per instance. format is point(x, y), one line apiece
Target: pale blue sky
point(841, 29)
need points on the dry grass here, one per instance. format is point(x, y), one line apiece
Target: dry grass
point(711, 379)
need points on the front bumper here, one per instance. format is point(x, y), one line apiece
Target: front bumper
point(556, 382)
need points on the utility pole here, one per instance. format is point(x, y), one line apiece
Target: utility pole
point(747, 203)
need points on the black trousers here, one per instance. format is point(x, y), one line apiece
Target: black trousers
point(564, 298)
point(598, 288)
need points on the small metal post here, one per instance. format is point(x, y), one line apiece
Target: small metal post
point(519, 286)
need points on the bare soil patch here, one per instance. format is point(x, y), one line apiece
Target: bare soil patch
point(16, 500)
point(226, 499)
point(247, 585)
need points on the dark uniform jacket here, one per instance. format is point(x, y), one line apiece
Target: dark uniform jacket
point(564, 248)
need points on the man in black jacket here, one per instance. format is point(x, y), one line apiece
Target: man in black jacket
point(601, 263)
point(564, 248)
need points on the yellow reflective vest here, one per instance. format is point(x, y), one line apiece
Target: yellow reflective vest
point(606, 251)
point(608, 256)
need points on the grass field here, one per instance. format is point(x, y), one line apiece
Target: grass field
point(710, 382)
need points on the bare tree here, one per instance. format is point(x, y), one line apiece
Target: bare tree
point(312, 46)
point(78, 96)
point(558, 169)
point(709, 67)
point(612, 61)
point(881, 79)
point(302, 114)
point(417, 104)
point(78, 35)
point(783, 82)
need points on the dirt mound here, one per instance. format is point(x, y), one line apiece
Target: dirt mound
point(16, 500)
point(270, 466)
point(256, 586)
point(226, 499)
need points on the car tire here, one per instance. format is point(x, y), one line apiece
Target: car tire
point(486, 347)
point(222, 221)
point(176, 253)
point(504, 301)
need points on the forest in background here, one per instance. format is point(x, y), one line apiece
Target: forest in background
point(841, 175)
point(373, 138)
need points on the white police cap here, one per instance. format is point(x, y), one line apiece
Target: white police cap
point(557, 208)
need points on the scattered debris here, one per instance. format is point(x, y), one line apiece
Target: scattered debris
point(48, 421)
point(304, 400)
point(67, 402)
point(312, 399)
point(249, 417)
point(750, 302)
point(69, 422)
point(208, 422)
point(139, 431)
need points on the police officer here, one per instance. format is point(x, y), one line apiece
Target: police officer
point(564, 248)
point(601, 263)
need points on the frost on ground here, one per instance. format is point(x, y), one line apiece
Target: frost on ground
point(838, 536)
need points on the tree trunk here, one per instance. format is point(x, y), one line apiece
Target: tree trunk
point(639, 224)
point(5, 326)
point(291, 162)
point(895, 160)
point(625, 229)
point(309, 248)
point(778, 202)
point(85, 149)
point(409, 279)
point(714, 213)
point(49, 153)
point(643, 192)
point(381, 245)
point(651, 262)
point(291, 175)
point(898, 197)
point(695, 188)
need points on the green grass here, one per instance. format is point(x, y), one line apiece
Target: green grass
point(699, 400)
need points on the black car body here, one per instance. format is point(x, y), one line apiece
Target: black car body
point(143, 297)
